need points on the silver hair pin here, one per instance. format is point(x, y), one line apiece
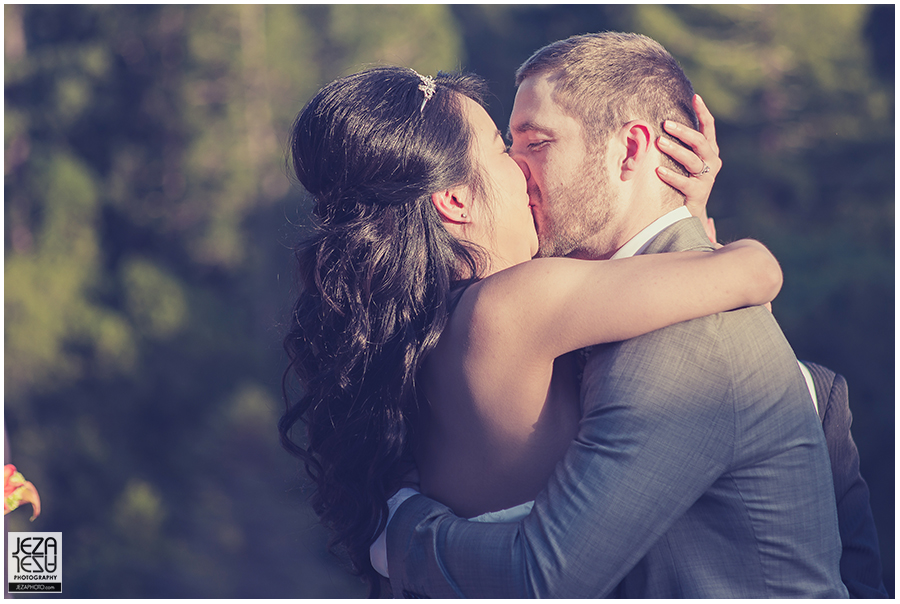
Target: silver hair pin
point(427, 87)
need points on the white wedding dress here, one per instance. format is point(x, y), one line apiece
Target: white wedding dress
point(513, 514)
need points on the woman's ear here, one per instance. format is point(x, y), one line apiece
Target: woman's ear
point(637, 140)
point(453, 204)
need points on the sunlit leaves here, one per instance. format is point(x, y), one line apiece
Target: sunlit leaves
point(154, 299)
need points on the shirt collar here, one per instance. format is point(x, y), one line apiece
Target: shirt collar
point(639, 242)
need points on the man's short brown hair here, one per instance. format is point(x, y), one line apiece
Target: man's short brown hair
point(609, 79)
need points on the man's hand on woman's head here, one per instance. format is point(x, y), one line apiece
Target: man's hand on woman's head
point(701, 161)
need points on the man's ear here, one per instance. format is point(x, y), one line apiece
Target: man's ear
point(453, 204)
point(637, 139)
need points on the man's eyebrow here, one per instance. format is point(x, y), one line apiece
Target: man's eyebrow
point(528, 127)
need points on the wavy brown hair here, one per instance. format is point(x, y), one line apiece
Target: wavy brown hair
point(376, 279)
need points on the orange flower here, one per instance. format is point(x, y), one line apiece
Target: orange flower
point(16, 490)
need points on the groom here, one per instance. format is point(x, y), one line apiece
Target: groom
point(700, 468)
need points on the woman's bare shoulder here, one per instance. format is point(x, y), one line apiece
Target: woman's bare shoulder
point(495, 316)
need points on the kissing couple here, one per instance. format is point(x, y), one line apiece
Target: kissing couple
point(544, 339)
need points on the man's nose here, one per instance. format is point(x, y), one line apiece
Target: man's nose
point(523, 165)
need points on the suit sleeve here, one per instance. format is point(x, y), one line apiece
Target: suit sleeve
point(639, 461)
point(861, 568)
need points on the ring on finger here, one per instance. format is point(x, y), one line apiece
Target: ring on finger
point(703, 170)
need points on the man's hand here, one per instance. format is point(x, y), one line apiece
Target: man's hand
point(701, 161)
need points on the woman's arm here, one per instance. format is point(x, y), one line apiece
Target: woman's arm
point(551, 306)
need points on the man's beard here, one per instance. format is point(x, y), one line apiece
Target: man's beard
point(580, 211)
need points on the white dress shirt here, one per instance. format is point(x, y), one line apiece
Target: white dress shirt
point(639, 242)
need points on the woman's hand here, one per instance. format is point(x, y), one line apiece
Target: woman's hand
point(701, 161)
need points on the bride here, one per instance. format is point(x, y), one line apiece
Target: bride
point(424, 335)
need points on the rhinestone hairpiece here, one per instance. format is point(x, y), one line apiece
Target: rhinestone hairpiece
point(428, 88)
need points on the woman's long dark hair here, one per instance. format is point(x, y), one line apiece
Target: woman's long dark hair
point(376, 280)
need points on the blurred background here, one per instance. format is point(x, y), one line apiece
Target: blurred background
point(148, 213)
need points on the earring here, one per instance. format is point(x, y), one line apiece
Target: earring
point(463, 215)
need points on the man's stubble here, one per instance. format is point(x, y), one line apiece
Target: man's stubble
point(577, 214)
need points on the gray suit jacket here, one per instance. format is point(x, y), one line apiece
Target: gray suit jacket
point(699, 470)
